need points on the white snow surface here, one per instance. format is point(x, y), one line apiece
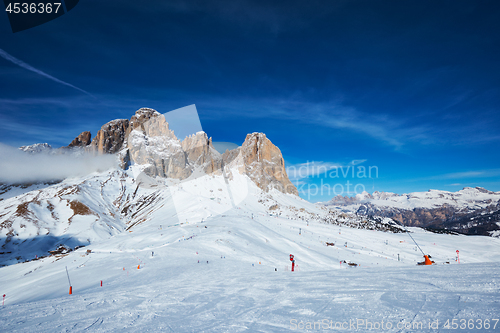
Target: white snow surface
point(206, 255)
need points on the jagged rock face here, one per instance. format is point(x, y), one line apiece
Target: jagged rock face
point(110, 137)
point(263, 163)
point(153, 144)
point(141, 116)
point(82, 140)
point(200, 152)
point(137, 121)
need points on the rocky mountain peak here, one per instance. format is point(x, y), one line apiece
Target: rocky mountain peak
point(483, 190)
point(146, 139)
point(263, 163)
point(141, 116)
point(82, 140)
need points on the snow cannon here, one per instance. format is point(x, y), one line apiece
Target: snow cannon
point(427, 261)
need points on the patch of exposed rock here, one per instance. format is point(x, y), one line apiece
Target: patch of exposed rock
point(82, 140)
point(110, 137)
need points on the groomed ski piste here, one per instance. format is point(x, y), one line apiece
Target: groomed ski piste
point(209, 255)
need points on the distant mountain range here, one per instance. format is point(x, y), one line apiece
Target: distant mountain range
point(471, 211)
point(36, 148)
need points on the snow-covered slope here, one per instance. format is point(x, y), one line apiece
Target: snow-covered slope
point(80, 211)
point(209, 254)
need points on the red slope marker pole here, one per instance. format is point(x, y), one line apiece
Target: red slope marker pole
point(70, 287)
point(458, 257)
point(101, 283)
point(3, 301)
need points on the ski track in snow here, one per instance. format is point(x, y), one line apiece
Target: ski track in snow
point(200, 300)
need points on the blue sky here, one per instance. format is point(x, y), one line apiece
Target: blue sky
point(409, 87)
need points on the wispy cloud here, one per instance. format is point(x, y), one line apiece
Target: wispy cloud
point(393, 132)
point(470, 174)
point(397, 131)
point(24, 65)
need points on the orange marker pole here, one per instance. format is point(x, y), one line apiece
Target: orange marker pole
point(70, 290)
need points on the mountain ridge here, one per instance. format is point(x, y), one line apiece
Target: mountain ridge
point(148, 140)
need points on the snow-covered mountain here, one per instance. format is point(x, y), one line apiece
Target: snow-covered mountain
point(182, 238)
point(469, 211)
point(36, 148)
point(159, 170)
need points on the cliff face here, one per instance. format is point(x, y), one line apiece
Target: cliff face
point(110, 137)
point(263, 162)
point(152, 144)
